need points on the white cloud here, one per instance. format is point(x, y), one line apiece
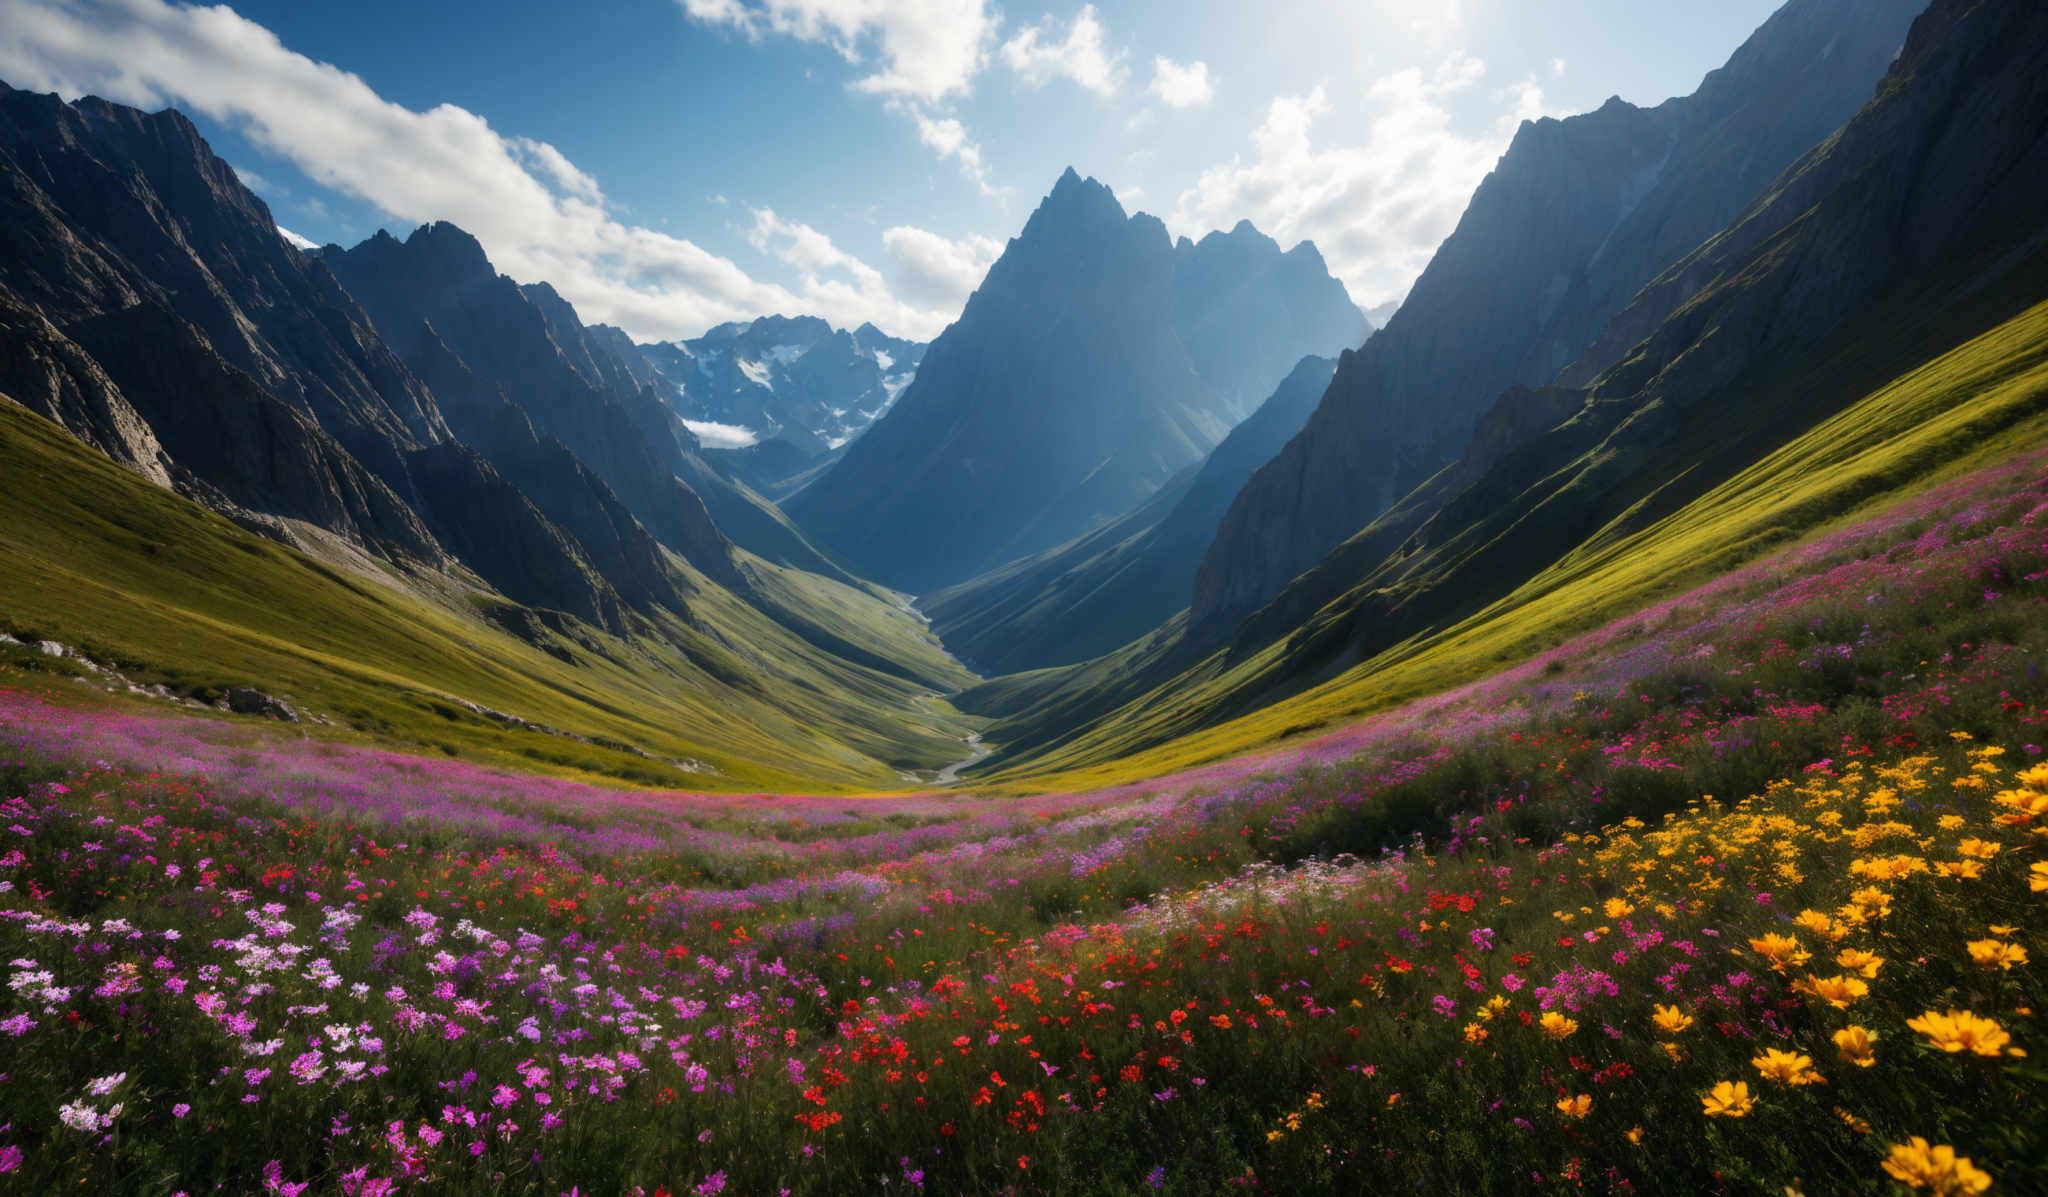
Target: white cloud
point(537, 215)
point(928, 49)
point(938, 272)
point(1039, 55)
point(835, 281)
point(1181, 86)
point(1376, 209)
point(295, 239)
point(948, 138)
point(722, 436)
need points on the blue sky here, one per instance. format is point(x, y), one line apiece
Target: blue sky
point(672, 163)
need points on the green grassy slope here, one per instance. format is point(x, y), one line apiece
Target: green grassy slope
point(1978, 400)
point(93, 556)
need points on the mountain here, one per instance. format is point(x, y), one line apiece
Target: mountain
point(436, 294)
point(1858, 327)
point(794, 380)
point(1578, 214)
point(166, 322)
point(222, 474)
point(1067, 392)
point(1119, 582)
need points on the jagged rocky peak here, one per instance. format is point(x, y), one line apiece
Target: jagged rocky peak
point(1094, 361)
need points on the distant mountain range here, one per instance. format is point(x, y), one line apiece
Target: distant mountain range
point(792, 379)
point(1096, 360)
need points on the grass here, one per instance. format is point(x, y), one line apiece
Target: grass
point(136, 577)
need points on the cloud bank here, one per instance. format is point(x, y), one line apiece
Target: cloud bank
point(1378, 209)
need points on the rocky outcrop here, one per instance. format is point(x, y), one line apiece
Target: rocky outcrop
point(492, 526)
point(1576, 217)
point(44, 371)
point(235, 444)
point(1062, 398)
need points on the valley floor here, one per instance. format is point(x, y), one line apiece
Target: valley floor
point(1735, 894)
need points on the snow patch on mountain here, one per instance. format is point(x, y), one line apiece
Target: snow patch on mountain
point(721, 436)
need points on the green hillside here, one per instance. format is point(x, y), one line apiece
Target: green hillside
point(167, 592)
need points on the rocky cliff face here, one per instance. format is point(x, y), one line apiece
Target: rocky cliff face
point(43, 370)
point(164, 320)
point(105, 206)
point(234, 443)
point(1924, 218)
point(527, 345)
point(1063, 397)
point(1577, 216)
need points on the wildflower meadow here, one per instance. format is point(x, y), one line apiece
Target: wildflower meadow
point(1743, 893)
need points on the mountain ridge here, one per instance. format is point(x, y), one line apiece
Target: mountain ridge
point(1065, 394)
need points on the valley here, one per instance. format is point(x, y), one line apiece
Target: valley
point(510, 702)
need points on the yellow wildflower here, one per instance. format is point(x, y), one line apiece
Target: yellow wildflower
point(1949, 822)
point(1556, 1025)
point(1782, 951)
point(1474, 1033)
point(1494, 1005)
point(1617, 908)
point(1886, 868)
point(1874, 902)
point(1852, 1121)
point(1671, 1020)
point(1962, 1031)
point(1819, 924)
point(1575, 1107)
point(1635, 1135)
point(1728, 1099)
point(1786, 1068)
point(1835, 991)
point(1961, 870)
point(1979, 849)
point(2037, 876)
point(1856, 960)
point(2021, 807)
point(1996, 953)
point(1939, 1170)
point(1854, 1044)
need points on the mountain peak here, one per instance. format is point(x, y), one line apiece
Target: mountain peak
point(1075, 194)
point(451, 248)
